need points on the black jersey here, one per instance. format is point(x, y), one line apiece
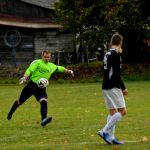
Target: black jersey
point(112, 66)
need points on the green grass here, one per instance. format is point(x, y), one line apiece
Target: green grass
point(78, 113)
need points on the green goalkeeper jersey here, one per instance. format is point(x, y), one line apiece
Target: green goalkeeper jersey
point(39, 69)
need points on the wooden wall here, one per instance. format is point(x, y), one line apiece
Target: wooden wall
point(33, 42)
point(24, 52)
point(53, 41)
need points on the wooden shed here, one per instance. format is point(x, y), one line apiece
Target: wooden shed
point(27, 27)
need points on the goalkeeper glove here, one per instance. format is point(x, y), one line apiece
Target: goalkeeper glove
point(22, 80)
point(71, 72)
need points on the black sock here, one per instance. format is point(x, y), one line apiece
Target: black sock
point(13, 108)
point(43, 109)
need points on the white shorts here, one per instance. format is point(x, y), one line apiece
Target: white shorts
point(114, 98)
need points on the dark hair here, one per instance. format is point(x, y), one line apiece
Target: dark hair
point(116, 39)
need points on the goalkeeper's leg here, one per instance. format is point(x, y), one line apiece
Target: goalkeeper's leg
point(44, 118)
point(15, 105)
point(25, 94)
point(43, 109)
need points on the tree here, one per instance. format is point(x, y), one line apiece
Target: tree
point(93, 21)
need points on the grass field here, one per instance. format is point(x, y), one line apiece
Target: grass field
point(78, 113)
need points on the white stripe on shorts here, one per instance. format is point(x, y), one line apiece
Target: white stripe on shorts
point(114, 98)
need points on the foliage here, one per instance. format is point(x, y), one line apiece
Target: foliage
point(95, 21)
point(92, 72)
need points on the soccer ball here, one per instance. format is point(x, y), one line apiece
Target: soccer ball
point(42, 83)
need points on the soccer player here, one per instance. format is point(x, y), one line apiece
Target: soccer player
point(40, 68)
point(113, 90)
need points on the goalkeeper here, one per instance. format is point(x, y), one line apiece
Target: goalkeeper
point(40, 68)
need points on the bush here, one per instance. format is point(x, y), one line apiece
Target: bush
point(92, 72)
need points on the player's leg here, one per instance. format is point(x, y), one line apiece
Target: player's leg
point(111, 131)
point(44, 119)
point(112, 122)
point(41, 96)
point(122, 111)
point(43, 110)
point(114, 99)
point(25, 94)
point(107, 133)
point(115, 117)
point(12, 110)
point(115, 102)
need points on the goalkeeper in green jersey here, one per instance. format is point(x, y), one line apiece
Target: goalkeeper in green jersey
point(40, 68)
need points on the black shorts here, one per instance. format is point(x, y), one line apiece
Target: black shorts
point(32, 89)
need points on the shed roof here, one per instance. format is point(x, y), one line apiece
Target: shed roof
point(30, 25)
point(19, 21)
point(42, 3)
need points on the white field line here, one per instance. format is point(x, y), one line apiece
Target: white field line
point(73, 145)
point(4, 139)
point(9, 138)
point(61, 145)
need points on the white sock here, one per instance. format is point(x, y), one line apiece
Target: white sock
point(108, 118)
point(112, 122)
point(112, 130)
